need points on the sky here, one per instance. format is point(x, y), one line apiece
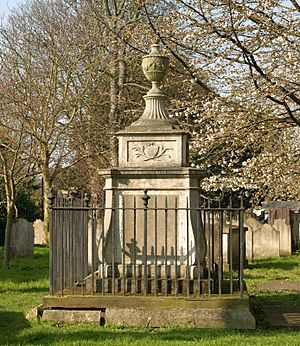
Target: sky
point(6, 5)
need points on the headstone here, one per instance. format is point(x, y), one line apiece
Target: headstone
point(22, 239)
point(38, 226)
point(265, 242)
point(253, 225)
point(235, 247)
point(284, 230)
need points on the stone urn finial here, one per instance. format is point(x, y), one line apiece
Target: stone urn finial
point(155, 66)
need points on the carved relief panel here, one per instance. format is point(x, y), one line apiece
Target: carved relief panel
point(151, 152)
point(143, 150)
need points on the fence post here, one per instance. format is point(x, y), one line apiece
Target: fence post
point(241, 255)
point(51, 198)
point(145, 198)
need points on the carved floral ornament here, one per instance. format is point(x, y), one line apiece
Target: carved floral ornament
point(150, 151)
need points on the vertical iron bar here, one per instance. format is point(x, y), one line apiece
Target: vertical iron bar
point(176, 245)
point(52, 230)
point(213, 240)
point(187, 249)
point(166, 246)
point(220, 269)
point(72, 243)
point(61, 225)
point(198, 254)
point(113, 236)
point(103, 274)
point(241, 255)
point(85, 236)
point(123, 245)
point(145, 199)
point(56, 246)
point(81, 230)
point(77, 229)
point(230, 247)
point(94, 227)
point(155, 247)
point(134, 246)
point(210, 259)
point(67, 255)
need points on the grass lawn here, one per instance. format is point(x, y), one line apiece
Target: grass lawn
point(26, 282)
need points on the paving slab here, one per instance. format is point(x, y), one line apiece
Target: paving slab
point(280, 285)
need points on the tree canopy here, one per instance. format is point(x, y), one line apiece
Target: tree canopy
point(70, 78)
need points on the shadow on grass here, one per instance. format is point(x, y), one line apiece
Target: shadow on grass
point(41, 289)
point(27, 269)
point(288, 263)
point(282, 297)
point(12, 322)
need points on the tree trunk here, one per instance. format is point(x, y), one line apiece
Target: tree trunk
point(10, 193)
point(46, 188)
point(47, 181)
point(8, 229)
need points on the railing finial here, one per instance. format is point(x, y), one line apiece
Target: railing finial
point(145, 198)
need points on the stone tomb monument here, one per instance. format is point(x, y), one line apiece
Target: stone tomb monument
point(149, 224)
point(153, 156)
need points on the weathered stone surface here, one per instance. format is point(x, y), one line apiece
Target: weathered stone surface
point(22, 239)
point(36, 312)
point(216, 312)
point(171, 183)
point(265, 242)
point(38, 226)
point(231, 318)
point(159, 303)
point(93, 243)
point(280, 285)
point(262, 242)
point(199, 318)
point(226, 244)
point(285, 236)
point(72, 316)
point(148, 150)
point(253, 225)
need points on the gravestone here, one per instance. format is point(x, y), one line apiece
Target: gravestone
point(38, 226)
point(22, 239)
point(262, 240)
point(285, 245)
point(265, 242)
point(253, 225)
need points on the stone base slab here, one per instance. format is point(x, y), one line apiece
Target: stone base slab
point(226, 312)
point(73, 316)
point(197, 318)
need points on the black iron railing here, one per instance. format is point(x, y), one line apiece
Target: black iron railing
point(145, 244)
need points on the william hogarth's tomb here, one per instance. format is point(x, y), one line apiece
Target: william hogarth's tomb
point(159, 255)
